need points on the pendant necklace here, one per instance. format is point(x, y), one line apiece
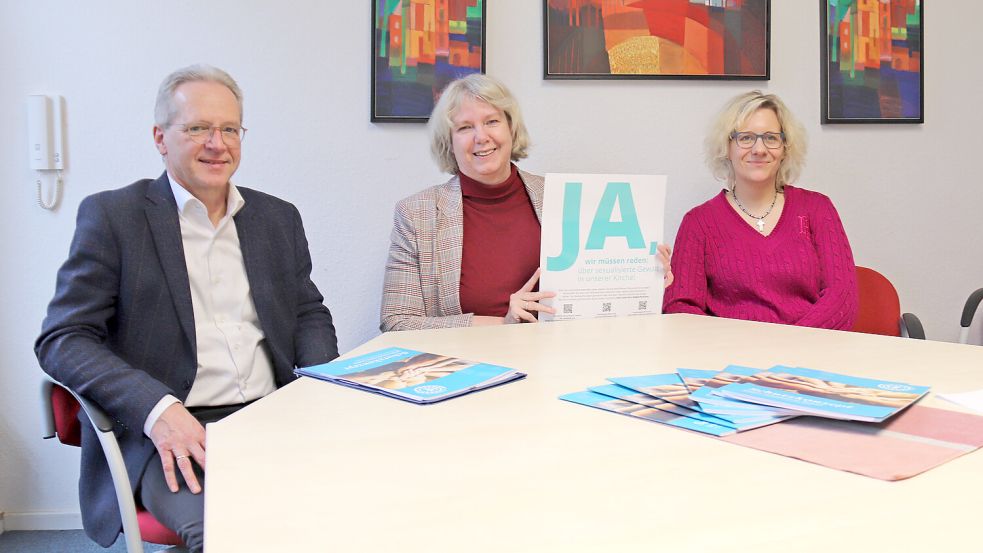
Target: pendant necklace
point(759, 221)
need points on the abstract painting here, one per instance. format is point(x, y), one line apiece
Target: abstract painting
point(872, 61)
point(657, 39)
point(418, 46)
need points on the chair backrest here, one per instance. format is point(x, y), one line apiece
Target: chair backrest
point(880, 308)
point(969, 311)
point(65, 409)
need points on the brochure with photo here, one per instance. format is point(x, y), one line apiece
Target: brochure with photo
point(826, 394)
point(413, 376)
point(694, 379)
point(607, 403)
point(667, 387)
point(627, 394)
point(670, 387)
point(719, 405)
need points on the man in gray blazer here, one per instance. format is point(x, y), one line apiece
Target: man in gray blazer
point(182, 299)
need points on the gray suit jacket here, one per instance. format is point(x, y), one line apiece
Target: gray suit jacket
point(120, 329)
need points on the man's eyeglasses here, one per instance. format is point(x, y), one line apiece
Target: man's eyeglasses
point(200, 133)
point(771, 140)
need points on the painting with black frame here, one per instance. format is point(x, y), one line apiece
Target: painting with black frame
point(872, 61)
point(657, 39)
point(418, 47)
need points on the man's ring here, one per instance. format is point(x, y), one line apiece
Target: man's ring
point(179, 457)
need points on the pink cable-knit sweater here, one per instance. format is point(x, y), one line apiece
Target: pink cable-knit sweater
point(802, 273)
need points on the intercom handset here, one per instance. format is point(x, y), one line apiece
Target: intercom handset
point(45, 141)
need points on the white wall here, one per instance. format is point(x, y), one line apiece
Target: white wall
point(910, 196)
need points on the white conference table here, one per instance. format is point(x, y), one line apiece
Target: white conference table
point(320, 467)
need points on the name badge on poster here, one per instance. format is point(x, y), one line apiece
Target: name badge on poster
point(600, 234)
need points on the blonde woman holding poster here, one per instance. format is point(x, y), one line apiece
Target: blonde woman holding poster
point(466, 252)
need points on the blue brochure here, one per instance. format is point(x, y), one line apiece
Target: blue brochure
point(718, 405)
point(607, 403)
point(667, 387)
point(694, 379)
point(411, 375)
point(670, 387)
point(627, 394)
point(826, 394)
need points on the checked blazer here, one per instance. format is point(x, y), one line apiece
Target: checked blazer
point(423, 272)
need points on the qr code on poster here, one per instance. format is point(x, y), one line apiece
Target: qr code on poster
point(643, 305)
point(606, 307)
point(567, 308)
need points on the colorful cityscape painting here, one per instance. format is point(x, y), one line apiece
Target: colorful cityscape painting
point(669, 39)
point(872, 62)
point(418, 47)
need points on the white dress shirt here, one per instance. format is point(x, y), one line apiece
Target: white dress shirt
point(234, 365)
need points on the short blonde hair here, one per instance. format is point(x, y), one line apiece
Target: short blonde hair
point(478, 87)
point(734, 115)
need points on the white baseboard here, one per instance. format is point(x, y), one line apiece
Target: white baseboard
point(44, 520)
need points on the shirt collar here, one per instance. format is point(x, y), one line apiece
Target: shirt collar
point(183, 198)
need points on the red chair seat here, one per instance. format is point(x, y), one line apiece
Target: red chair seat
point(153, 531)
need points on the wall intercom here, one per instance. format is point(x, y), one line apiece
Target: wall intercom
point(45, 142)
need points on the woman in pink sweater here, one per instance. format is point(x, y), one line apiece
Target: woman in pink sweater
point(763, 250)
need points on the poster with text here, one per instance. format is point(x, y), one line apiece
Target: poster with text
point(600, 234)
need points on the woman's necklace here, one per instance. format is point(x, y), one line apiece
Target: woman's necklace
point(760, 221)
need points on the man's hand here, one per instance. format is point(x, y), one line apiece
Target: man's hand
point(179, 438)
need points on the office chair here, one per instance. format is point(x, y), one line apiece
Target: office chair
point(969, 310)
point(61, 407)
point(880, 308)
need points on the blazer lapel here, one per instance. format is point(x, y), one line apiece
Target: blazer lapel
point(534, 187)
point(162, 217)
point(448, 242)
point(257, 255)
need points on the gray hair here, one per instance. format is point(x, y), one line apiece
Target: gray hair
point(164, 109)
point(478, 87)
point(733, 116)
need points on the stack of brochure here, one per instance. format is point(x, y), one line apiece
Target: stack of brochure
point(741, 398)
point(412, 376)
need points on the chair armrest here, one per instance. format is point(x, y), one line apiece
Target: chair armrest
point(911, 327)
point(103, 425)
point(47, 415)
point(99, 419)
point(969, 310)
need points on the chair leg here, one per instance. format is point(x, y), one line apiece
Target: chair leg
point(124, 496)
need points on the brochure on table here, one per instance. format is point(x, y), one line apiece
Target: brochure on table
point(694, 379)
point(666, 386)
point(411, 375)
point(607, 403)
point(670, 387)
point(826, 394)
point(627, 394)
point(719, 405)
point(599, 238)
